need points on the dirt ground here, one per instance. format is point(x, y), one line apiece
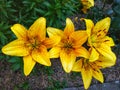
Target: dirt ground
point(10, 80)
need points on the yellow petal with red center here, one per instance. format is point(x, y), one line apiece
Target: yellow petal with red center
point(106, 52)
point(77, 66)
point(97, 74)
point(79, 38)
point(81, 52)
point(41, 56)
point(16, 48)
point(94, 55)
point(55, 52)
point(69, 27)
point(29, 64)
point(54, 32)
point(67, 60)
point(101, 28)
point(38, 28)
point(19, 30)
point(87, 77)
point(104, 62)
point(108, 40)
point(52, 41)
point(89, 26)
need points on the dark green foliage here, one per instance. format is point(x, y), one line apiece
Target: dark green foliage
point(23, 86)
point(55, 84)
point(16, 63)
point(26, 11)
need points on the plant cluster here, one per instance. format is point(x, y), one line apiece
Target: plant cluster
point(47, 39)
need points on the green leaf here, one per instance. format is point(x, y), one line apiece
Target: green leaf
point(116, 22)
point(15, 66)
point(14, 60)
point(117, 9)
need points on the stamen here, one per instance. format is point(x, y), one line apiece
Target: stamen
point(106, 40)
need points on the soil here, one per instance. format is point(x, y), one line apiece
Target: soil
point(10, 80)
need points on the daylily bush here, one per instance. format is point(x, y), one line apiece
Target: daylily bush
point(34, 46)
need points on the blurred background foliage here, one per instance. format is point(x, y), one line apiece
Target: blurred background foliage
point(26, 12)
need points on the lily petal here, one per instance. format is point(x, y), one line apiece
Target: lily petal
point(106, 52)
point(82, 52)
point(101, 27)
point(54, 32)
point(41, 56)
point(38, 28)
point(89, 25)
point(97, 74)
point(79, 37)
point(55, 52)
point(52, 41)
point(67, 60)
point(108, 41)
point(87, 77)
point(69, 27)
point(16, 48)
point(77, 66)
point(29, 63)
point(94, 55)
point(19, 30)
point(104, 62)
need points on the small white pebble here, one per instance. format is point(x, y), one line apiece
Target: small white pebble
point(117, 81)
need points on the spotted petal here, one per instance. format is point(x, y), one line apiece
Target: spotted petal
point(106, 52)
point(104, 62)
point(97, 74)
point(101, 28)
point(108, 41)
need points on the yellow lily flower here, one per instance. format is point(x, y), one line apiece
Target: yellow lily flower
point(70, 45)
point(31, 44)
point(87, 4)
point(97, 38)
point(90, 69)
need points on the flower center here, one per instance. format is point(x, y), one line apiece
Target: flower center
point(33, 43)
point(68, 45)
